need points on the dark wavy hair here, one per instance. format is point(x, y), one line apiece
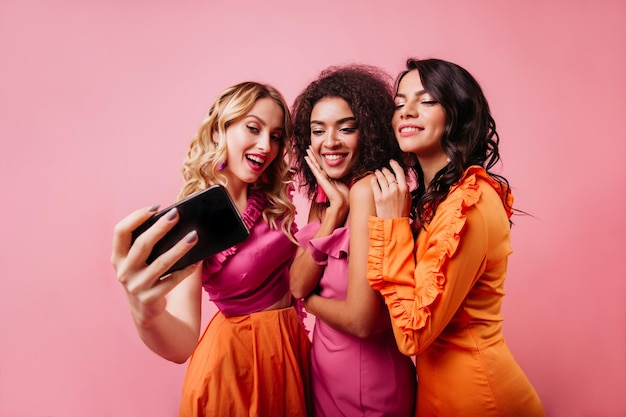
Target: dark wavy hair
point(469, 138)
point(368, 90)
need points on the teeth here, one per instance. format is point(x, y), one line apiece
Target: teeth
point(256, 159)
point(333, 157)
point(410, 129)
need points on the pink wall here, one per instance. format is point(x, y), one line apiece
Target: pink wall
point(97, 106)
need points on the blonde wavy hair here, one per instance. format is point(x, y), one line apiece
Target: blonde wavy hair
point(200, 168)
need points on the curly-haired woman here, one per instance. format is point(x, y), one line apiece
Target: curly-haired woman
point(342, 134)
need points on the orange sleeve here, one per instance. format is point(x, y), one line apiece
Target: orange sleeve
point(424, 287)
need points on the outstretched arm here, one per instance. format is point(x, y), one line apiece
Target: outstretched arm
point(169, 327)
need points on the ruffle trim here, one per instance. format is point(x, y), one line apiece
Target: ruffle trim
point(474, 172)
point(459, 200)
point(254, 209)
point(335, 245)
point(376, 252)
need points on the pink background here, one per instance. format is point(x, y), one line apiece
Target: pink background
point(98, 102)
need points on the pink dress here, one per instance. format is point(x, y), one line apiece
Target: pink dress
point(353, 376)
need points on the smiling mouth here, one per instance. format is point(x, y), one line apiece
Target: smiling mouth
point(334, 156)
point(410, 129)
point(256, 160)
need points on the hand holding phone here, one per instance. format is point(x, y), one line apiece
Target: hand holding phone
point(212, 214)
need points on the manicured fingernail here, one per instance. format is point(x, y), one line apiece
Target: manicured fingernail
point(171, 214)
point(191, 236)
point(153, 208)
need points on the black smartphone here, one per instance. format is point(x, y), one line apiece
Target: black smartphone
point(212, 214)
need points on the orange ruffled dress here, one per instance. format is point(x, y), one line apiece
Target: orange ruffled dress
point(250, 361)
point(444, 292)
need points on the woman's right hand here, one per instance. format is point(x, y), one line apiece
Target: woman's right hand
point(391, 192)
point(337, 192)
point(145, 289)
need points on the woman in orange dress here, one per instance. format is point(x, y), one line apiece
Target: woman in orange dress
point(438, 254)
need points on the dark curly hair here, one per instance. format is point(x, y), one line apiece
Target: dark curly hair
point(368, 91)
point(469, 137)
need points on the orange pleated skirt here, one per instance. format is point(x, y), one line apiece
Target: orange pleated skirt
point(252, 365)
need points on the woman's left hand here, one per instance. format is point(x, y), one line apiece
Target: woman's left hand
point(391, 192)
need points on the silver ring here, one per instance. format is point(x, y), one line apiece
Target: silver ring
point(392, 182)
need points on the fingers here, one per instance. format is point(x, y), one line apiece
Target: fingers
point(148, 282)
point(141, 248)
point(313, 154)
point(122, 232)
point(145, 288)
point(388, 180)
point(391, 192)
point(129, 260)
point(144, 282)
point(382, 182)
point(398, 173)
point(313, 161)
point(150, 294)
point(172, 255)
point(336, 191)
point(167, 283)
point(313, 166)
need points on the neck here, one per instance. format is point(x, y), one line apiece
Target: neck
point(239, 194)
point(430, 166)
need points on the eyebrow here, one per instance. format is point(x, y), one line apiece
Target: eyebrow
point(417, 93)
point(345, 119)
point(263, 122)
point(257, 117)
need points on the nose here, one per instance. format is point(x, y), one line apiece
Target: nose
point(330, 140)
point(408, 110)
point(264, 142)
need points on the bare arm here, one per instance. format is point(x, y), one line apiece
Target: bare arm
point(169, 327)
point(305, 272)
point(356, 314)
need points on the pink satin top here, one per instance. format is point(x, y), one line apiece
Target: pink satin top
point(259, 276)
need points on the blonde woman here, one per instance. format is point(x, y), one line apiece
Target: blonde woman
point(253, 358)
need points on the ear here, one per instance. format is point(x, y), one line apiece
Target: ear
point(215, 137)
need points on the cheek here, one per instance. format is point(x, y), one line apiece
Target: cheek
point(316, 142)
point(353, 143)
point(394, 120)
point(275, 150)
point(440, 119)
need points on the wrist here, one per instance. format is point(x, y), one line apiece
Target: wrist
point(336, 215)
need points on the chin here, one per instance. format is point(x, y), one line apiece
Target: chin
point(337, 176)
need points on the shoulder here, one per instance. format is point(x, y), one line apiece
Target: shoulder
point(362, 189)
point(478, 187)
point(475, 196)
point(362, 197)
